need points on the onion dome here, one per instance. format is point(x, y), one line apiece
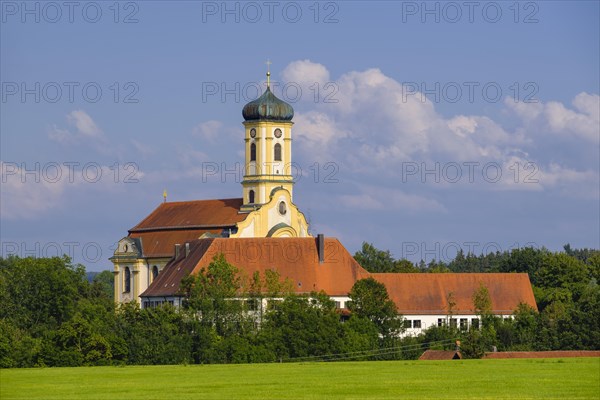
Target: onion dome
point(268, 107)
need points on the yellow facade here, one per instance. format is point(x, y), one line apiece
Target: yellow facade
point(268, 182)
point(265, 173)
point(279, 217)
point(128, 259)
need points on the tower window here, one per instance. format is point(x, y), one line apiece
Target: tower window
point(277, 152)
point(251, 196)
point(253, 152)
point(127, 282)
point(154, 272)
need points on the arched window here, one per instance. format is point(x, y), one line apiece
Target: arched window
point(251, 196)
point(253, 152)
point(277, 152)
point(154, 272)
point(127, 280)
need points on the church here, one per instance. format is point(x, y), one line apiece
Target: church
point(264, 229)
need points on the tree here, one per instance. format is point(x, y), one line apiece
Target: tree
point(558, 270)
point(482, 302)
point(373, 259)
point(303, 326)
point(478, 340)
point(527, 259)
point(52, 316)
point(103, 284)
point(39, 294)
point(154, 335)
point(451, 301)
point(525, 324)
point(361, 338)
point(212, 294)
point(370, 299)
point(404, 265)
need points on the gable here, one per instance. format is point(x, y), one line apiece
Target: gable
point(127, 248)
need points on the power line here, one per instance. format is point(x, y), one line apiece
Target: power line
point(366, 353)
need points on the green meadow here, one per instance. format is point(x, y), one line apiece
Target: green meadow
point(571, 378)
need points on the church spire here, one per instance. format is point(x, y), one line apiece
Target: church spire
point(268, 125)
point(268, 73)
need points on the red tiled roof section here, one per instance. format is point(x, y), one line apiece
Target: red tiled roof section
point(544, 354)
point(193, 214)
point(168, 280)
point(294, 258)
point(423, 293)
point(162, 243)
point(441, 355)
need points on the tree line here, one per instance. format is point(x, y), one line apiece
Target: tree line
point(51, 315)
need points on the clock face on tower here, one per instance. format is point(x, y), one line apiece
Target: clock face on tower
point(252, 133)
point(277, 133)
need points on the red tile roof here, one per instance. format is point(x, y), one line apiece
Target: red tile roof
point(543, 354)
point(423, 293)
point(183, 221)
point(198, 214)
point(162, 243)
point(441, 355)
point(294, 258)
point(167, 281)
point(297, 259)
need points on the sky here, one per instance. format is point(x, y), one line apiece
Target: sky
point(419, 127)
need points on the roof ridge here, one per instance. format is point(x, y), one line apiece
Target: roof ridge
point(201, 200)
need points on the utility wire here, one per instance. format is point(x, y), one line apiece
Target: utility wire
point(366, 353)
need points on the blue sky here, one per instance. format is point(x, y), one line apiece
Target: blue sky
point(419, 127)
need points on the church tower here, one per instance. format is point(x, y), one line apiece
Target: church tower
point(268, 182)
point(265, 210)
point(268, 144)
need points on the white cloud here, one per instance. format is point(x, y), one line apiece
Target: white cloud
point(386, 199)
point(26, 195)
point(573, 183)
point(305, 73)
point(84, 123)
point(377, 124)
point(143, 148)
point(462, 126)
point(208, 130)
point(30, 190)
point(60, 135)
point(316, 132)
point(85, 131)
point(582, 122)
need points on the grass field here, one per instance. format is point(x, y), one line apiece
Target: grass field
point(570, 378)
